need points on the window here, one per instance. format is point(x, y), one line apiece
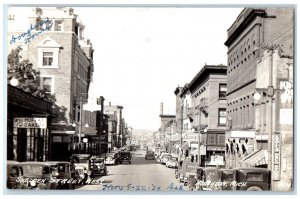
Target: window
point(222, 90)
point(48, 53)
point(211, 139)
point(222, 116)
point(221, 139)
point(58, 26)
point(47, 58)
point(47, 84)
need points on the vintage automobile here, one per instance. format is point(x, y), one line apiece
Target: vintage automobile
point(172, 162)
point(14, 173)
point(81, 173)
point(193, 176)
point(165, 158)
point(186, 167)
point(97, 166)
point(150, 155)
point(62, 170)
point(39, 175)
point(82, 164)
point(252, 179)
point(227, 177)
point(192, 171)
point(209, 180)
point(112, 158)
point(125, 156)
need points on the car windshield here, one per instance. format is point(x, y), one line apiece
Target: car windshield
point(82, 160)
point(59, 168)
point(227, 176)
point(32, 170)
point(212, 176)
point(174, 158)
point(98, 161)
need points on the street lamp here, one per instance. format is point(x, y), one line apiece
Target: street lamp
point(14, 81)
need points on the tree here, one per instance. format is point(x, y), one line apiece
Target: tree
point(23, 71)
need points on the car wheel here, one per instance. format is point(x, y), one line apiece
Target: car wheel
point(254, 188)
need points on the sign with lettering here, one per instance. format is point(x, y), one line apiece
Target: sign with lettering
point(30, 122)
point(276, 158)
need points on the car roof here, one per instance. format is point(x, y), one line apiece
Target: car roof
point(12, 162)
point(252, 169)
point(57, 162)
point(81, 155)
point(35, 163)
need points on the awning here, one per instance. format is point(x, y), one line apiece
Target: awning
point(184, 146)
point(196, 151)
point(257, 158)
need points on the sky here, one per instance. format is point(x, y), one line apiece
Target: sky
point(141, 54)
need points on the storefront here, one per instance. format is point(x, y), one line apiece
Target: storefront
point(28, 129)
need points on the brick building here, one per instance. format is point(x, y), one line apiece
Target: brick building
point(208, 111)
point(116, 112)
point(64, 58)
point(260, 60)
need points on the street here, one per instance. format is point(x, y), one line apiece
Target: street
point(140, 175)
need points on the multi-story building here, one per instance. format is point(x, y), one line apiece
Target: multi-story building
point(187, 135)
point(55, 45)
point(117, 111)
point(208, 113)
point(260, 62)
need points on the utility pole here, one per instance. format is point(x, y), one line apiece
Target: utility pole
point(80, 122)
point(199, 154)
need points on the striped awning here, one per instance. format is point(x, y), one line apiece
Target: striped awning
point(257, 158)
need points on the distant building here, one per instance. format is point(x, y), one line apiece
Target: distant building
point(117, 111)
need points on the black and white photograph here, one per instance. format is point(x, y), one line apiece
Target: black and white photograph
point(187, 99)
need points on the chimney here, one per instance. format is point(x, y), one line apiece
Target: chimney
point(161, 108)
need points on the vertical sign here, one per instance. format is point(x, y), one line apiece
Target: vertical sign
point(276, 158)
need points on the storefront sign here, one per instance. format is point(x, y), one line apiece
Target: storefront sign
point(276, 152)
point(30, 122)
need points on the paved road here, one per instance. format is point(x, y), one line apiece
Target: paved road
point(140, 175)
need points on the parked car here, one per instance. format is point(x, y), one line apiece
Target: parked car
point(149, 155)
point(193, 176)
point(40, 174)
point(81, 173)
point(165, 158)
point(192, 172)
point(186, 167)
point(62, 170)
point(172, 162)
point(125, 156)
point(14, 172)
point(82, 163)
point(227, 177)
point(98, 167)
point(255, 179)
point(112, 158)
point(210, 179)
